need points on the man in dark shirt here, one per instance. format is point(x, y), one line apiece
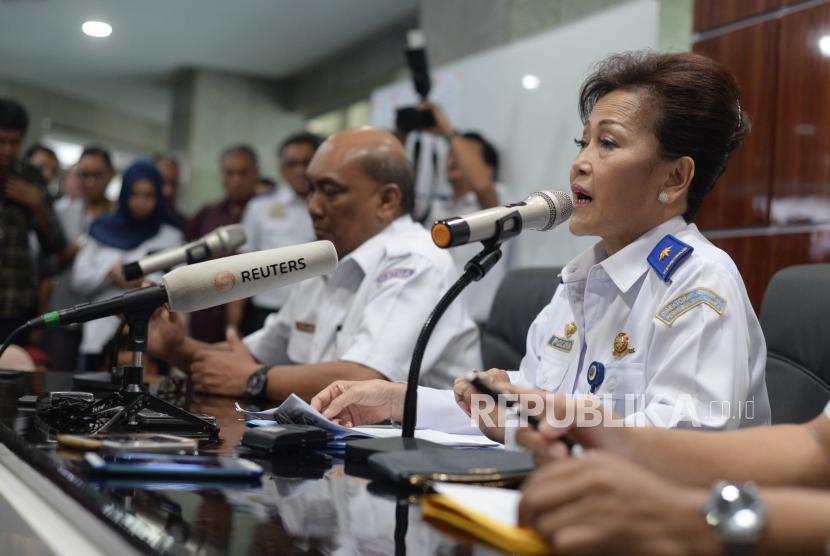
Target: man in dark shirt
point(24, 206)
point(240, 173)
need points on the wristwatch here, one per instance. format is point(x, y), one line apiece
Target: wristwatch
point(737, 514)
point(257, 382)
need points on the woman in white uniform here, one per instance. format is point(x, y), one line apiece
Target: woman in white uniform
point(137, 227)
point(654, 319)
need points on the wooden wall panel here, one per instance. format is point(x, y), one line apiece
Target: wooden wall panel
point(741, 196)
point(801, 172)
point(750, 255)
point(714, 13)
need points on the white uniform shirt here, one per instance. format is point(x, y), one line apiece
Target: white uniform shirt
point(276, 219)
point(479, 295)
point(370, 310)
point(696, 359)
point(90, 279)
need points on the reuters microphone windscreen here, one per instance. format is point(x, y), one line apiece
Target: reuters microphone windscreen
point(220, 281)
point(541, 211)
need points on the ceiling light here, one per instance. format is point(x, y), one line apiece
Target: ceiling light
point(824, 45)
point(98, 29)
point(530, 82)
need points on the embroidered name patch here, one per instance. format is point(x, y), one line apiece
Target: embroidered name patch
point(560, 343)
point(305, 327)
point(402, 273)
point(667, 255)
point(689, 300)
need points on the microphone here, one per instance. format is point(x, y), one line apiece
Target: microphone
point(207, 284)
point(542, 211)
point(221, 241)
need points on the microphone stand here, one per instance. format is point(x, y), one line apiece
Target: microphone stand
point(358, 451)
point(133, 396)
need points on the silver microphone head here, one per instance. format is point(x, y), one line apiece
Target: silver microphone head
point(560, 207)
point(231, 237)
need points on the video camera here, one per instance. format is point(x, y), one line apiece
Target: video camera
point(411, 118)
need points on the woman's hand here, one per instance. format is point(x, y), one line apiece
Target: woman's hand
point(361, 402)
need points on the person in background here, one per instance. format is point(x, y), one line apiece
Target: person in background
point(240, 171)
point(75, 215)
point(362, 320)
point(137, 227)
point(264, 185)
point(472, 171)
point(169, 168)
point(24, 207)
point(279, 219)
point(44, 159)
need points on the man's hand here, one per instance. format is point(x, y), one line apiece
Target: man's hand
point(490, 419)
point(224, 373)
point(24, 193)
point(361, 402)
point(166, 334)
point(463, 390)
point(602, 504)
point(116, 274)
point(442, 122)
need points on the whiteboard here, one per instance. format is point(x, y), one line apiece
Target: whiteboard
point(533, 129)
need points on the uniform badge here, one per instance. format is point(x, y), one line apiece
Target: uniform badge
point(595, 375)
point(667, 256)
point(570, 329)
point(309, 327)
point(684, 303)
point(560, 343)
point(621, 348)
point(277, 210)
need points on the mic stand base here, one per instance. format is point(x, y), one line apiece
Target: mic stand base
point(359, 450)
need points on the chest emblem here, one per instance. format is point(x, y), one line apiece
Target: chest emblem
point(277, 210)
point(570, 329)
point(621, 343)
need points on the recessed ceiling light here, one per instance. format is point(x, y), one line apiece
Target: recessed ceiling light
point(98, 29)
point(824, 45)
point(530, 82)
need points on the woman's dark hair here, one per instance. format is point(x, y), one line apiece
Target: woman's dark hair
point(697, 113)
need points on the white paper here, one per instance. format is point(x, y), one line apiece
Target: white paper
point(296, 411)
point(499, 504)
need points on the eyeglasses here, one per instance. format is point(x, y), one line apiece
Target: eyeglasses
point(91, 175)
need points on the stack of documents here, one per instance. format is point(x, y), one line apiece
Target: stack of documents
point(296, 411)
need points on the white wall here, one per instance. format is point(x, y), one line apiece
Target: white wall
point(533, 129)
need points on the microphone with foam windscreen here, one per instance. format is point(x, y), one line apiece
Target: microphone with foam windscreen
point(218, 243)
point(207, 284)
point(542, 210)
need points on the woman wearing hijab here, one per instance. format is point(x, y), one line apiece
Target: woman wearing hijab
point(137, 227)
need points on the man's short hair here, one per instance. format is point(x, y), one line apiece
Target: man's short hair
point(13, 116)
point(302, 138)
point(489, 152)
point(384, 168)
point(241, 148)
point(37, 148)
point(95, 150)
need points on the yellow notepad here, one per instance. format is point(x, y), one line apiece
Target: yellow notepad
point(487, 514)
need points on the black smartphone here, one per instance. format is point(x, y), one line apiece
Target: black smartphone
point(165, 466)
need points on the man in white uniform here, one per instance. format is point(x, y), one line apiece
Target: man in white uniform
point(360, 322)
point(278, 219)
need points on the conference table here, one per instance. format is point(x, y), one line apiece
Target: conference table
point(302, 505)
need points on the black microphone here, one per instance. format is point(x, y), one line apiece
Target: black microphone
point(207, 284)
point(221, 241)
point(542, 211)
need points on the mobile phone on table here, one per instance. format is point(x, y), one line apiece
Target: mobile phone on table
point(166, 466)
point(139, 442)
point(486, 388)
